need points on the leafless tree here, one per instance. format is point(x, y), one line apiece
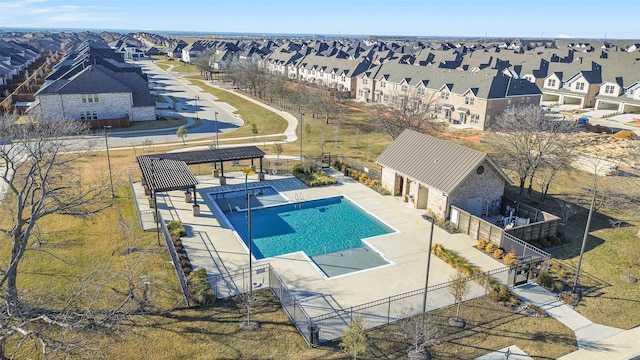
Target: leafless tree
point(458, 288)
point(41, 180)
point(410, 110)
point(419, 333)
point(526, 140)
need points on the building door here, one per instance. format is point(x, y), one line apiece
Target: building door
point(474, 206)
point(399, 186)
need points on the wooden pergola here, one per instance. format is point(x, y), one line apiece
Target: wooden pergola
point(170, 171)
point(217, 157)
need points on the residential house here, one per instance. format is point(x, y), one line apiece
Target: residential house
point(95, 93)
point(175, 51)
point(577, 87)
point(433, 174)
point(473, 98)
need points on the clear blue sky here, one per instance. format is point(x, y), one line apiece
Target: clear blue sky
point(494, 18)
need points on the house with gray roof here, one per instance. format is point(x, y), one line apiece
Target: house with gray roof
point(95, 92)
point(433, 174)
point(473, 98)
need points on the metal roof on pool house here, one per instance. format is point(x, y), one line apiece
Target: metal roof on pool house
point(440, 164)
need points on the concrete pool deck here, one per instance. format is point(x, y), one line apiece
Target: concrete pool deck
point(212, 245)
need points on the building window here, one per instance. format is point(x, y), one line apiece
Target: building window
point(580, 85)
point(342, 78)
point(365, 81)
point(421, 91)
point(405, 88)
point(333, 76)
point(609, 89)
point(89, 98)
point(475, 119)
point(468, 100)
point(385, 98)
point(383, 84)
point(551, 82)
point(444, 96)
point(88, 115)
point(395, 87)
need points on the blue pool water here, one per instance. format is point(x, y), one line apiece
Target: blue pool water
point(230, 201)
point(315, 227)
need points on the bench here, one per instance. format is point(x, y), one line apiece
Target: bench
point(615, 223)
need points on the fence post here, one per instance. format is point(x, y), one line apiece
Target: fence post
point(389, 311)
point(486, 285)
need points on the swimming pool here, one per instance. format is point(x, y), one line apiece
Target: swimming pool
point(316, 227)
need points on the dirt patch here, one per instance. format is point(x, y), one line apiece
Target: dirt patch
point(622, 150)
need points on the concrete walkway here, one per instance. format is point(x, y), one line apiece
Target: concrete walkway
point(595, 341)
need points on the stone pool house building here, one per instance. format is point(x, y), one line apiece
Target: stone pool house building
point(433, 174)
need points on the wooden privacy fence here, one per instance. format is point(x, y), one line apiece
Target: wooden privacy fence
point(545, 225)
point(101, 123)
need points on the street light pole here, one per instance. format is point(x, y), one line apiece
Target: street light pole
point(216, 122)
point(197, 97)
point(106, 140)
point(301, 114)
point(426, 283)
point(584, 238)
point(250, 248)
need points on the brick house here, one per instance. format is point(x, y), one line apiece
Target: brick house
point(95, 93)
point(433, 174)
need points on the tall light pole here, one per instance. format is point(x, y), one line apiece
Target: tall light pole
point(250, 235)
point(216, 122)
point(106, 141)
point(250, 299)
point(197, 97)
point(584, 238)
point(426, 282)
point(301, 114)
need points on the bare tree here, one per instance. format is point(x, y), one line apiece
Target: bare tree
point(419, 332)
point(458, 288)
point(526, 139)
point(41, 180)
point(409, 110)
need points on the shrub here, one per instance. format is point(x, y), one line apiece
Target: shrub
point(354, 174)
point(545, 279)
point(497, 253)
point(558, 286)
point(510, 258)
point(200, 288)
point(490, 247)
point(482, 243)
point(176, 229)
point(500, 293)
point(307, 167)
point(363, 178)
point(337, 165)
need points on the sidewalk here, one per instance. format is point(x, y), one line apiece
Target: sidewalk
point(595, 341)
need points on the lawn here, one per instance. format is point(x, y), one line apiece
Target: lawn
point(608, 298)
